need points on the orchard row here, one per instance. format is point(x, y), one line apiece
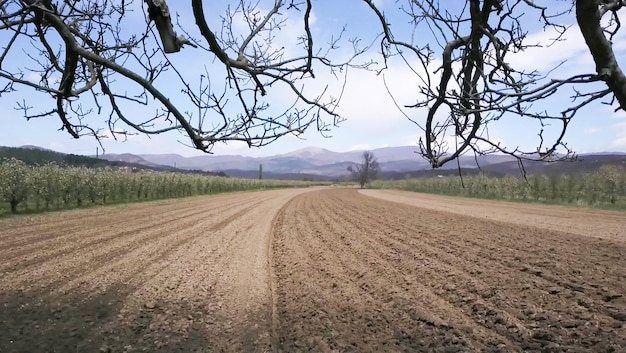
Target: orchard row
point(52, 186)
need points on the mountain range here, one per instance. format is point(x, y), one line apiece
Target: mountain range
point(322, 164)
point(312, 161)
point(316, 163)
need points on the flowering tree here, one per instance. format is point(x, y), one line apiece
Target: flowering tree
point(14, 182)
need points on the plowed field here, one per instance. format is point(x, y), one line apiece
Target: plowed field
point(330, 270)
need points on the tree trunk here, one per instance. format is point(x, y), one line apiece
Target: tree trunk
point(589, 18)
point(14, 203)
point(160, 14)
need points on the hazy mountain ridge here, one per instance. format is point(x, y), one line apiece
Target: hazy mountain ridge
point(317, 163)
point(35, 155)
point(307, 161)
point(396, 162)
point(311, 160)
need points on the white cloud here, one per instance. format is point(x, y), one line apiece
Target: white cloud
point(547, 53)
point(620, 136)
point(367, 102)
point(592, 130)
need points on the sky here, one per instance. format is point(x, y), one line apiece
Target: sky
point(372, 119)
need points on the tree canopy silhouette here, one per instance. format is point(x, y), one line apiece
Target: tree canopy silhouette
point(365, 171)
point(118, 60)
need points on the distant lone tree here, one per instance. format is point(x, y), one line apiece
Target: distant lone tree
point(367, 170)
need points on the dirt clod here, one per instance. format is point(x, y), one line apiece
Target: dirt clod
point(618, 315)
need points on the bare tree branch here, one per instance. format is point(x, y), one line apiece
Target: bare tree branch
point(474, 85)
point(83, 51)
point(589, 15)
point(89, 59)
point(160, 14)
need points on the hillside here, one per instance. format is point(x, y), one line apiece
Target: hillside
point(585, 163)
point(36, 155)
point(396, 163)
point(317, 163)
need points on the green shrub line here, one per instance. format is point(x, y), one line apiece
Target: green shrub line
point(50, 186)
point(605, 188)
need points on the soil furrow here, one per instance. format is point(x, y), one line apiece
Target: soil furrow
point(75, 228)
point(337, 255)
point(22, 226)
point(97, 237)
point(328, 270)
point(191, 279)
point(397, 259)
point(153, 246)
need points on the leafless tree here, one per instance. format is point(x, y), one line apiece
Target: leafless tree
point(366, 171)
point(461, 52)
point(94, 58)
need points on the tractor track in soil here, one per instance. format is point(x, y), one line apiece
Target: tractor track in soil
point(327, 270)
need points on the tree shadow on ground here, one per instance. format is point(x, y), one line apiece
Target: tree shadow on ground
point(38, 321)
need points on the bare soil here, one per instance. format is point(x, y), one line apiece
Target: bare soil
point(358, 274)
point(594, 223)
point(175, 276)
point(331, 270)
